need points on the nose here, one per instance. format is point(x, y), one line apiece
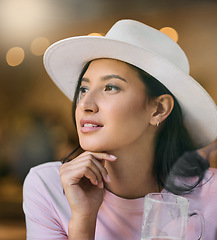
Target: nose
point(88, 103)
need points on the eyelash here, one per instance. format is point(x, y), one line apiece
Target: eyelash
point(108, 87)
point(112, 87)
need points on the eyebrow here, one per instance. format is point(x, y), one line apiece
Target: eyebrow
point(108, 77)
point(105, 78)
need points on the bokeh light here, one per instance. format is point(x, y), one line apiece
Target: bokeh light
point(39, 45)
point(21, 18)
point(15, 56)
point(96, 34)
point(171, 32)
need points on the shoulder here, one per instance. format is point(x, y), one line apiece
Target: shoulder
point(42, 190)
point(43, 179)
point(44, 203)
point(50, 167)
point(207, 188)
point(210, 178)
point(213, 170)
point(47, 171)
point(211, 175)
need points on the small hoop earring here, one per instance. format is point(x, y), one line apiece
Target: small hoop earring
point(158, 124)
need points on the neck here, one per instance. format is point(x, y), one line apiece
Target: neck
point(132, 173)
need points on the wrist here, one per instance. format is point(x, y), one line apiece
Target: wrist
point(82, 227)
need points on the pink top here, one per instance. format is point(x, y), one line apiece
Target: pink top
point(48, 213)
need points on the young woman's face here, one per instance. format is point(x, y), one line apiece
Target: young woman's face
point(112, 112)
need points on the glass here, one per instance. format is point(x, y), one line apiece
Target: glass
point(165, 217)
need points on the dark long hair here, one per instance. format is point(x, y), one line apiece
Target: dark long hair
point(175, 157)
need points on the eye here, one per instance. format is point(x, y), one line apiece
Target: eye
point(83, 89)
point(110, 87)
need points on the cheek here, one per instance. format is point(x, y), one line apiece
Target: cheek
point(132, 106)
point(77, 117)
point(128, 113)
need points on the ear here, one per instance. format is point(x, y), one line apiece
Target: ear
point(163, 105)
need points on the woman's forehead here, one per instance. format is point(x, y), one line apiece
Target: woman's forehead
point(111, 66)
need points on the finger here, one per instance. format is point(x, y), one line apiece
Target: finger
point(89, 164)
point(102, 170)
point(97, 158)
point(89, 174)
point(99, 164)
point(77, 170)
point(73, 178)
point(102, 156)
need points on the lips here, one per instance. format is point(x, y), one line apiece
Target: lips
point(89, 126)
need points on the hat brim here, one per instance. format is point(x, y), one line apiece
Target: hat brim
point(65, 59)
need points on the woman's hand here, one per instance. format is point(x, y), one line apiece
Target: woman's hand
point(83, 182)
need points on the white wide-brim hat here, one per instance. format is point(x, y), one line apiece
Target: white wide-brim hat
point(144, 47)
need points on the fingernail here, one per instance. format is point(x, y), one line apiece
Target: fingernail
point(101, 185)
point(108, 178)
point(112, 156)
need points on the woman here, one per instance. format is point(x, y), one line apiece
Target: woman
point(130, 89)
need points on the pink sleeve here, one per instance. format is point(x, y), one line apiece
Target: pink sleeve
point(41, 218)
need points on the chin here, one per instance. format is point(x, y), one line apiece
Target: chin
point(92, 147)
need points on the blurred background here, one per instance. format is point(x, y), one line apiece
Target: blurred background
point(35, 117)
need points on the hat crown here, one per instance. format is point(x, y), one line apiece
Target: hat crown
point(150, 39)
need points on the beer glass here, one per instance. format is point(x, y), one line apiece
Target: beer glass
point(165, 217)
